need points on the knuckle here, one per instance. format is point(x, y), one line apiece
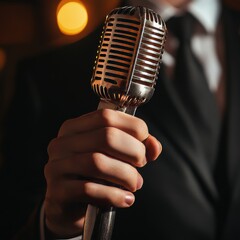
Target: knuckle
point(52, 146)
point(65, 126)
point(129, 177)
point(142, 125)
point(110, 134)
point(140, 159)
point(134, 180)
point(98, 163)
point(50, 174)
point(141, 128)
point(87, 187)
point(106, 117)
point(140, 163)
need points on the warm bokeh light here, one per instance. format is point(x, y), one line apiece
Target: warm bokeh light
point(2, 59)
point(72, 17)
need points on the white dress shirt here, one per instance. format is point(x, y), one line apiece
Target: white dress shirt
point(207, 12)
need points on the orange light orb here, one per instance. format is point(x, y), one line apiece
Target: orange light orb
point(72, 17)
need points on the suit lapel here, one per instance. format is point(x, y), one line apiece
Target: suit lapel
point(177, 128)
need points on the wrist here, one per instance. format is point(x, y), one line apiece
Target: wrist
point(61, 231)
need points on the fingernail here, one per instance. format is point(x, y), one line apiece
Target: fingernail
point(129, 199)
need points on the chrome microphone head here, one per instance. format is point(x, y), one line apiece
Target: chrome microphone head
point(129, 56)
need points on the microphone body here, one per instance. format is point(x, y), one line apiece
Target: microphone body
point(124, 77)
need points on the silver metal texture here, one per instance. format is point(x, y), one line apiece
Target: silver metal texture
point(129, 56)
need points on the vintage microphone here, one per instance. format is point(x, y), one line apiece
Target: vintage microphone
point(124, 77)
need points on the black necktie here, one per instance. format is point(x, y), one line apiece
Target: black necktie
point(201, 107)
point(191, 87)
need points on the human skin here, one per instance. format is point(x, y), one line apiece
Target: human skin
point(94, 159)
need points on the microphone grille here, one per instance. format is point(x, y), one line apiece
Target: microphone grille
point(129, 55)
point(150, 49)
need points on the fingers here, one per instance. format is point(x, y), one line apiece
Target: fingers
point(89, 192)
point(108, 140)
point(66, 201)
point(94, 159)
point(97, 167)
point(106, 118)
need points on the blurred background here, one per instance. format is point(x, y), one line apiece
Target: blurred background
point(29, 27)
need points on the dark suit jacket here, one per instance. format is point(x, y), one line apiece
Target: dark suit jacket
point(181, 198)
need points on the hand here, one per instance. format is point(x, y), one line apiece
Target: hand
point(90, 157)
